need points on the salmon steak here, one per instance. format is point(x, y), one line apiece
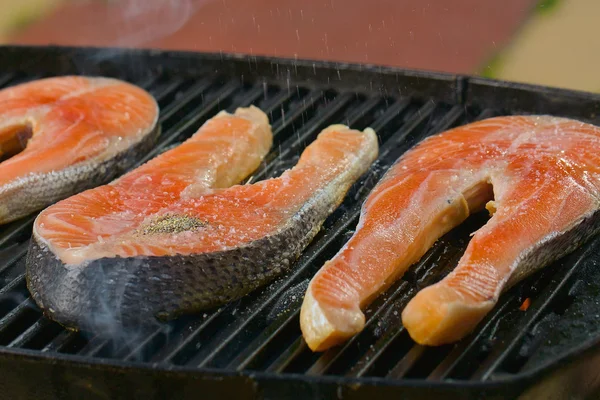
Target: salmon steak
point(178, 235)
point(60, 136)
point(539, 178)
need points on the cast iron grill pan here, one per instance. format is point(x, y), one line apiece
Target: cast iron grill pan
point(253, 346)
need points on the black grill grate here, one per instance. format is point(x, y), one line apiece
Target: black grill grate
point(260, 332)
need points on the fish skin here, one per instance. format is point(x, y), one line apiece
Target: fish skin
point(223, 151)
point(134, 291)
point(546, 191)
point(36, 191)
point(32, 191)
point(466, 316)
point(90, 294)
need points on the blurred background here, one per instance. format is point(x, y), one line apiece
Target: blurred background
point(548, 42)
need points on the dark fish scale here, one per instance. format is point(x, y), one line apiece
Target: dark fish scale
point(119, 291)
point(37, 191)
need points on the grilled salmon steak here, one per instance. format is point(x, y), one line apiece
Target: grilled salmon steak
point(174, 236)
point(539, 177)
point(60, 136)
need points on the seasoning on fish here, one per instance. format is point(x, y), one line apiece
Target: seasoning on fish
point(538, 175)
point(172, 237)
point(60, 136)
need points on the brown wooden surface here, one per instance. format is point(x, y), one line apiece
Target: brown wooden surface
point(448, 35)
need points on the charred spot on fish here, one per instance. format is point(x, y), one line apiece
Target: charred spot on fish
point(173, 223)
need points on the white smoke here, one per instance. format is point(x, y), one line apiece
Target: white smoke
point(138, 22)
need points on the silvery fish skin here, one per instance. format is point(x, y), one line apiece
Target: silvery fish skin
point(126, 291)
point(85, 131)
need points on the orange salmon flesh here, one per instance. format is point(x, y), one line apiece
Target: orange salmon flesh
point(539, 177)
point(179, 234)
point(137, 213)
point(59, 136)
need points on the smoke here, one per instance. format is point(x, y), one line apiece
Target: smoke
point(105, 291)
point(138, 22)
point(112, 313)
point(110, 300)
point(134, 23)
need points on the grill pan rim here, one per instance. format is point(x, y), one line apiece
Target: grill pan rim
point(514, 384)
point(462, 81)
point(459, 86)
point(232, 56)
point(519, 378)
point(71, 359)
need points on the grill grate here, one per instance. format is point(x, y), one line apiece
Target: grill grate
point(260, 332)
